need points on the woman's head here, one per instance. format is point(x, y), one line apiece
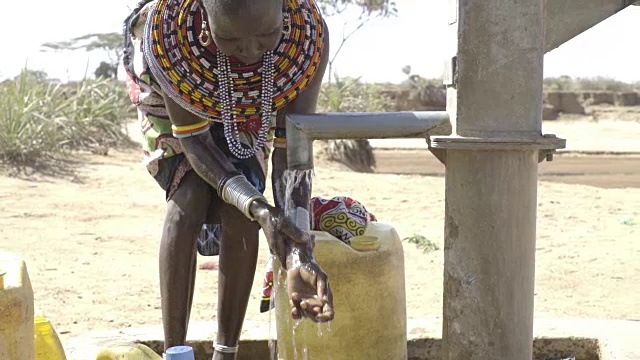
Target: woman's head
point(245, 29)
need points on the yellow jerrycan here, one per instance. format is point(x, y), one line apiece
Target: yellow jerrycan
point(127, 352)
point(16, 310)
point(368, 284)
point(47, 342)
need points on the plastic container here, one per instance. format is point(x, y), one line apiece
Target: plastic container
point(179, 353)
point(16, 310)
point(47, 342)
point(367, 279)
point(128, 352)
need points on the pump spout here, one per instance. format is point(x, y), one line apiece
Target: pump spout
point(302, 130)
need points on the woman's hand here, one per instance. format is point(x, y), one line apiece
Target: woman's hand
point(307, 284)
point(281, 233)
point(309, 293)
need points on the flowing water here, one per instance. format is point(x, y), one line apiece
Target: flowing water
point(292, 179)
point(273, 349)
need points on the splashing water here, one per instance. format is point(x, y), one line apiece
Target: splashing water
point(322, 330)
point(273, 348)
point(295, 347)
point(291, 179)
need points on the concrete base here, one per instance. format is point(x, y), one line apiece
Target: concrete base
point(585, 338)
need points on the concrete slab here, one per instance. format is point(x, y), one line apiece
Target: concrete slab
point(587, 338)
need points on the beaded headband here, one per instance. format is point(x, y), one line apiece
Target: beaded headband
point(188, 72)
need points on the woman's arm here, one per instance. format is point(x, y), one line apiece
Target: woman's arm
point(213, 166)
point(203, 154)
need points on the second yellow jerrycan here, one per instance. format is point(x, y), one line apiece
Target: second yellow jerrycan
point(368, 284)
point(16, 309)
point(127, 352)
point(47, 342)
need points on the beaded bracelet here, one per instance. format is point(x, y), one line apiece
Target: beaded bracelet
point(183, 131)
point(280, 143)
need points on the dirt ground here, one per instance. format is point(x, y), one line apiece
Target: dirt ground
point(90, 237)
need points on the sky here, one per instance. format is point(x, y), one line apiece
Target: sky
point(376, 53)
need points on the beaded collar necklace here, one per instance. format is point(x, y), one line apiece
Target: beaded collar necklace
point(218, 88)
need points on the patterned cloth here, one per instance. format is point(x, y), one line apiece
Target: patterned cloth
point(340, 216)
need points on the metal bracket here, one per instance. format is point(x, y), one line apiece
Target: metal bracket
point(450, 76)
point(545, 155)
point(440, 155)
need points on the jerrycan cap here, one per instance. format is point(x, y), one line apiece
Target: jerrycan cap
point(179, 353)
point(41, 324)
point(365, 243)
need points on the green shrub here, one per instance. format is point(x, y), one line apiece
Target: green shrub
point(40, 117)
point(421, 242)
point(350, 95)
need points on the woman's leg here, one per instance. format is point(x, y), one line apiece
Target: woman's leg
point(238, 258)
point(186, 211)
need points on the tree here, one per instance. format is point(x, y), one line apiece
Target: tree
point(110, 43)
point(355, 154)
point(105, 71)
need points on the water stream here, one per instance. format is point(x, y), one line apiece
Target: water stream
point(292, 179)
point(273, 348)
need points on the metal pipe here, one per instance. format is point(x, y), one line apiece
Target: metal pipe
point(302, 130)
point(564, 20)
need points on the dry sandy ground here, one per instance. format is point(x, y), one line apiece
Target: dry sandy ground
point(90, 240)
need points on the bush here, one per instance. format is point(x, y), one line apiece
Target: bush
point(351, 95)
point(40, 117)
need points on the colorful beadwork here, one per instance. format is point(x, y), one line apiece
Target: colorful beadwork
point(189, 73)
point(229, 102)
point(190, 130)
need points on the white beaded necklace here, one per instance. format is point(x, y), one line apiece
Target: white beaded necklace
point(229, 105)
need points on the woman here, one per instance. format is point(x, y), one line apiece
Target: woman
point(212, 80)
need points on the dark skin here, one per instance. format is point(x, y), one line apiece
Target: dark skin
point(246, 36)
